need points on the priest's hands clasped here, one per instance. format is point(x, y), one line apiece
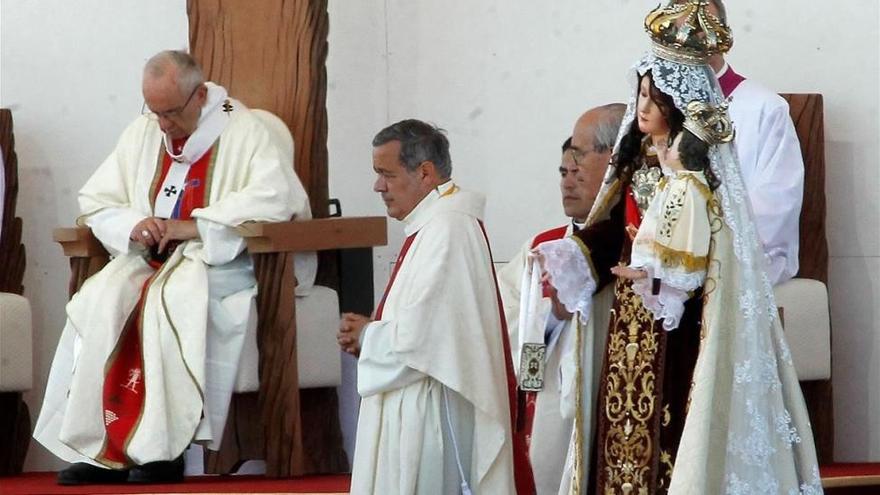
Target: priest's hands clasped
point(153, 230)
point(350, 328)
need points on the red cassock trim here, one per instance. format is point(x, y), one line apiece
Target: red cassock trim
point(729, 81)
point(547, 236)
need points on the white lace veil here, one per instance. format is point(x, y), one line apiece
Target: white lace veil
point(745, 393)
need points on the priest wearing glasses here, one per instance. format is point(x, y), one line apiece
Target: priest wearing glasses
point(150, 351)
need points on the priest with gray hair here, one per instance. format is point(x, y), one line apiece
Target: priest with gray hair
point(434, 372)
point(149, 354)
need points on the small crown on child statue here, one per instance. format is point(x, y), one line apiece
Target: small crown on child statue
point(710, 123)
point(685, 31)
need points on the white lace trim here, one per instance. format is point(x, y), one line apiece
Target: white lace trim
point(668, 305)
point(674, 277)
point(570, 274)
point(763, 434)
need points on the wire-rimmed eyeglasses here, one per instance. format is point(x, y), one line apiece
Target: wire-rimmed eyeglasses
point(172, 114)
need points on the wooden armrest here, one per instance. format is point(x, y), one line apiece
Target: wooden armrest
point(78, 242)
point(263, 237)
point(315, 235)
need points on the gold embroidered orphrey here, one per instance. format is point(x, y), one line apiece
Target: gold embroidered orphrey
point(631, 402)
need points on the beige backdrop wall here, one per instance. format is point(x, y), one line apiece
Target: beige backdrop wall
point(506, 79)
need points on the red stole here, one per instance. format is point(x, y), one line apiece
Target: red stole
point(729, 81)
point(124, 381)
point(522, 469)
point(403, 250)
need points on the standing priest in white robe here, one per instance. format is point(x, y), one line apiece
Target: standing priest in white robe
point(434, 371)
point(150, 351)
point(549, 411)
point(770, 161)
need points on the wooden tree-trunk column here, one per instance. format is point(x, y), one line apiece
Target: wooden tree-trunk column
point(279, 398)
point(12, 257)
point(271, 55)
point(14, 415)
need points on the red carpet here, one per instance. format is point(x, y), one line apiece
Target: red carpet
point(838, 479)
point(851, 478)
point(44, 484)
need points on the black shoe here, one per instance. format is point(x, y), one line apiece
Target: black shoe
point(158, 472)
point(82, 473)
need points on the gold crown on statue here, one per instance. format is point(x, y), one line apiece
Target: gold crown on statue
point(710, 123)
point(685, 31)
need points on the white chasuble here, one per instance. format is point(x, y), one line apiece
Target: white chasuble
point(432, 369)
point(196, 309)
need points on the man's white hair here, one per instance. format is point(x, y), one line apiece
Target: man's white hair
point(189, 74)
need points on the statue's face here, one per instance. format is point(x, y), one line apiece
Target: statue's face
point(651, 119)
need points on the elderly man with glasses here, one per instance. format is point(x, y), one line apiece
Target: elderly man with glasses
point(150, 352)
point(542, 332)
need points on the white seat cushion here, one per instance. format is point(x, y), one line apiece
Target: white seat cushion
point(318, 356)
point(807, 323)
point(16, 370)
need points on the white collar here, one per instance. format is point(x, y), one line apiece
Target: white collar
point(211, 124)
point(415, 219)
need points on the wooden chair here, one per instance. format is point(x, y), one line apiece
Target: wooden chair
point(278, 436)
point(16, 371)
point(807, 113)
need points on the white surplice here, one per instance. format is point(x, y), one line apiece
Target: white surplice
point(772, 170)
point(198, 308)
point(432, 370)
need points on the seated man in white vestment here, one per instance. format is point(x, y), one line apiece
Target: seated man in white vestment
point(770, 161)
point(549, 406)
point(434, 371)
point(150, 351)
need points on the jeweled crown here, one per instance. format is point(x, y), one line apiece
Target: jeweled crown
point(685, 31)
point(710, 123)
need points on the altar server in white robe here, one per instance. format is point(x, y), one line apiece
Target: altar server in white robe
point(149, 354)
point(549, 407)
point(770, 161)
point(433, 370)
